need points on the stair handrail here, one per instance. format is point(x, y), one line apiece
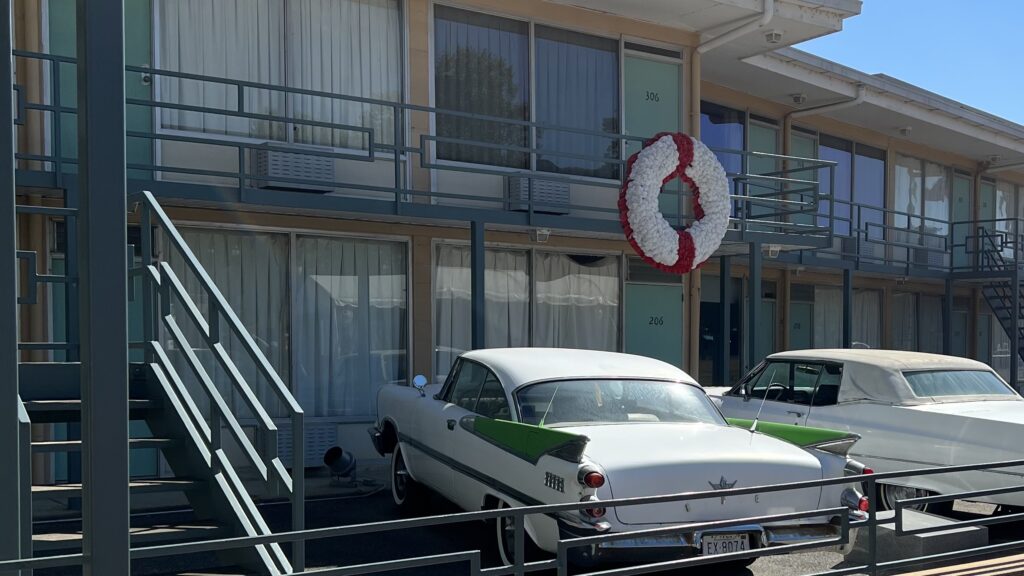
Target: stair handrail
point(219, 305)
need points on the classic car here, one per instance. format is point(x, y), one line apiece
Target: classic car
point(912, 410)
point(515, 427)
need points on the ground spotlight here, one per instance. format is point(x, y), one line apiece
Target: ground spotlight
point(341, 464)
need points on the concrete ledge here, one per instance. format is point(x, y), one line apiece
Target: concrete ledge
point(893, 547)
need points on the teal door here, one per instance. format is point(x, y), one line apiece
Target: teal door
point(654, 321)
point(651, 92)
point(961, 215)
point(801, 329)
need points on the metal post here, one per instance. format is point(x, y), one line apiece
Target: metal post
point(477, 266)
point(947, 319)
point(724, 336)
point(1015, 333)
point(847, 307)
point(754, 291)
point(10, 494)
point(104, 287)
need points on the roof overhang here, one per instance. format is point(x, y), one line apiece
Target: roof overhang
point(797, 20)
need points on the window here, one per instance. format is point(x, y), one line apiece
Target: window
point(466, 389)
point(492, 402)
point(859, 192)
point(576, 402)
point(533, 298)
point(956, 383)
point(867, 318)
point(922, 209)
point(482, 66)
point(345, 47)
point(774, 381)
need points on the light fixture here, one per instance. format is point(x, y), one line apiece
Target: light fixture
point(905, 131)
point(772, 250)
point(540, 235)
point(341, 464)
point(798, 98)
point(773, 36)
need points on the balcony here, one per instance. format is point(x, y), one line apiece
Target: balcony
point(384, 163)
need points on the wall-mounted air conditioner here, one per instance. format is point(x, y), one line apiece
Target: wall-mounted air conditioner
point(274, 167)
point(549, 196)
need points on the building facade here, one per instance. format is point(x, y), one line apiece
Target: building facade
point(353, 172)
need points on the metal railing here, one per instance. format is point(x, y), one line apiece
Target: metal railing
point(163, 292)
point(461, 150)
point(873, 564)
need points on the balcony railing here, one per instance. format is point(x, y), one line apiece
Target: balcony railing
point(389, 157)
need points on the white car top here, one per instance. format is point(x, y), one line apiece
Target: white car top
point(877, 375)
point(516, 367)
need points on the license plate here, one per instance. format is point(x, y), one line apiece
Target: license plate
point(724, 543)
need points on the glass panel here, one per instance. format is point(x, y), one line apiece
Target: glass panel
point(492, 402)
point(936, 199)
point(828, 325)
point(577, 79)
point(507, 287)
point(867, 318)
point(907, 204)
point(467, 385)
point(577, 301)
point(904, 321)
point(773, 382)
point(956, 383)
point(1000, 351)
point(575, 402)
point(251, 271)
point(351, 303)
point(869, 195)
point(481, 66)
point(1006, 208)
point(763, 138)
point(711, 339)
point(840, 152)
point(803, 145)
point(723, 128)
point(348, 47)
point(962, 227)
point(805, 382)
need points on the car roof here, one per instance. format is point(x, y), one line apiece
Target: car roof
point(518, 366)
point(891, 359)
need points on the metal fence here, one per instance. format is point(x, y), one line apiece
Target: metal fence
point(473, 559)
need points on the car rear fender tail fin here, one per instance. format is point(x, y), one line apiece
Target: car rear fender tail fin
point(527, 441)
point(808, 437)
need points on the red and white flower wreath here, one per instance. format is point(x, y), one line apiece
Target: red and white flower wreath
point(663, 158)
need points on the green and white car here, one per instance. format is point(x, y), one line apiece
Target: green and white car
point(515, 427)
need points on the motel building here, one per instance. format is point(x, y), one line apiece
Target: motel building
point(347, 193)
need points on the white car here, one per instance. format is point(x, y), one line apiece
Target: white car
point(912, 410)
point(514, 427)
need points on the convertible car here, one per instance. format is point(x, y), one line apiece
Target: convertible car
point(913, 410)
point(515, 427)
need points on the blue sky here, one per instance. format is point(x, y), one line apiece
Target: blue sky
point(970, 51)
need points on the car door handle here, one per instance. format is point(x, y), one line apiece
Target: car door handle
point(451, 424)
point(795, 413)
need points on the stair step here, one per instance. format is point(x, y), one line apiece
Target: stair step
point(76, 445)
point(140, 536)
point(70, 410)
point(137, 486)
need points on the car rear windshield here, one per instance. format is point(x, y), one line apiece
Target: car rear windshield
point(582, 402)
point(956, 383)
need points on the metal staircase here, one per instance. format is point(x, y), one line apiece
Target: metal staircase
point(216, 431)
point(999, 292)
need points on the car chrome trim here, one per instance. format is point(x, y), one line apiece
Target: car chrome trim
point(933, 464)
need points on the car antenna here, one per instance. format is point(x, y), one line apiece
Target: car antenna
point(753, 426)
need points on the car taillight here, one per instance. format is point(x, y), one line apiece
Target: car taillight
point(863, 505)
point(593, 479)
point(868, 470)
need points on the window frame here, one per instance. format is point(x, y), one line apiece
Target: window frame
point(446, 392)
point(532, 22)
point(740, 390)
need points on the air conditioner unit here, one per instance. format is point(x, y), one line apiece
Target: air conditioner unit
point(549, 197)
point(318, 436)
point(273, 165)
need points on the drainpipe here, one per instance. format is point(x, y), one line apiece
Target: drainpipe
point(856, 100)
point(755, 23)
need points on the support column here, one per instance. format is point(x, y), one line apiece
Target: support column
point(1015, 333)
point(847, 308)
point(754, 306)
point(947, 319)
point(104, 287)
point(692, 302)
point(10, 493)
point(721, 358)
point(477, 266)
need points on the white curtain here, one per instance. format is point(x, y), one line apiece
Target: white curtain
point(352, 325)
point(251, 271)
point(343, 47)
point(577, 301)
point(828, 318)
point(904, 321)
point(507, 305)
point(867, 317)
point(234, 39)
point(349, 47)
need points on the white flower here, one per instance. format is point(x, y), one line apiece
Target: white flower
point(652, 233)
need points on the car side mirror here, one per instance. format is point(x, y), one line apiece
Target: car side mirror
point(419, 382)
